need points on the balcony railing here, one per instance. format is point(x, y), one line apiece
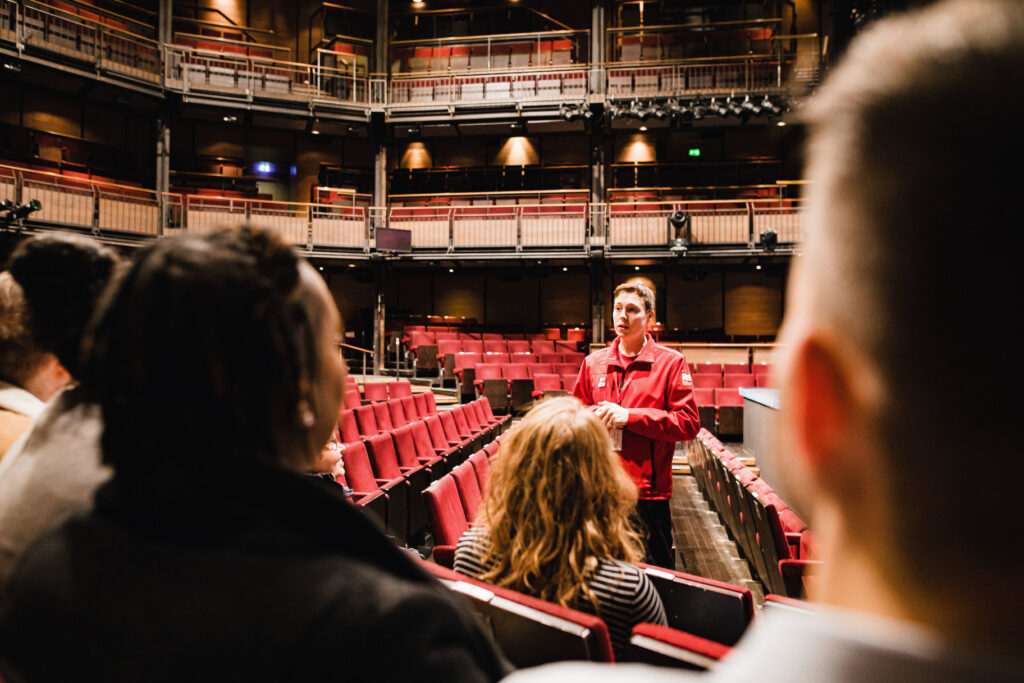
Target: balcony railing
point(705, 78)
point(107, 47)
point(539, 85)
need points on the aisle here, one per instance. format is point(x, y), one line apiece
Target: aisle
point(703, 545)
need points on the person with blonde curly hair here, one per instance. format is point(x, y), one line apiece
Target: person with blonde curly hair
point(556, 521)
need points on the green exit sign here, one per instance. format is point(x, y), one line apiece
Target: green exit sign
point(694, 151)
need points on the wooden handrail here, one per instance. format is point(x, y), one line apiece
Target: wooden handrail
point(354, 348)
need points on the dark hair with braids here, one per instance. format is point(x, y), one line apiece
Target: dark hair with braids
point(206, 349)
point(62, 276)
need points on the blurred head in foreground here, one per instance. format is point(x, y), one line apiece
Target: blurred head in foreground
point(220, 347)
point(557, 501)
point(899, 380)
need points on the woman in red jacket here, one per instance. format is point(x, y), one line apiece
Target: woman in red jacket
point(644, 395)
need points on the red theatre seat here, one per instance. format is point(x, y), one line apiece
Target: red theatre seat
point(375, 391)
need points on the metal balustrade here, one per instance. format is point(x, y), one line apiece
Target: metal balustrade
point(702, 79)
point(9, 21)
point(107, 47)
point(128, 209)
point(784, 216)
point(539, 85)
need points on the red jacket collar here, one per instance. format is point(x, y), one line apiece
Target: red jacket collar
point(646, 354)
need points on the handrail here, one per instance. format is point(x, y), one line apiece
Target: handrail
point(88, 181)
point(486, 38)
point(479, 194)
point(469, 73)
point(232, 41)
point(355, 348)
point(83, 21)
point(98, 10)
point(695, 27)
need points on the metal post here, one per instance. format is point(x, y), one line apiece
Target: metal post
point(164, 22)
point(163, 173)
point(379, 341)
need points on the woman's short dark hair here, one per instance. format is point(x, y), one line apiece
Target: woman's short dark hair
point(206, 348)
point(63, 276)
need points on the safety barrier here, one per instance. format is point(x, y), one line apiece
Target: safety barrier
point(109, 48)
point(696, 79)
point(476, 88)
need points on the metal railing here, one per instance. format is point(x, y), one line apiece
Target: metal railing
point(83, 203)
point(540, 85)
point(107, 47)
point(544, 223)
point(439, 56)
point(695, 79)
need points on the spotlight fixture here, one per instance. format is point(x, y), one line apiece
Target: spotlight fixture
point(517, 127)
point(660, 113)
point(229, 118)
point(769, 239)
point(11, 213)
point(413, 131)
point(718, 108)
point(313, 126)
point(734, 108)
point(699, 110)
point(750, 106)
point(772, 108)
point(12, 66)
point(643, 129)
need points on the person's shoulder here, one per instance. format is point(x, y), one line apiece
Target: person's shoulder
point(664, 352)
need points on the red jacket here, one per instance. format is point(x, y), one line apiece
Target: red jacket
point(657, 390)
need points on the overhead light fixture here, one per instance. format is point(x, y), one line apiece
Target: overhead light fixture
point(772, 108)
point(734, 107)
point(636, 267)
point(313, 126)
point(718, 108)
point(769, 239)
point(750, 106)
point(451, 270)
point(413, 131)
point(565, 269)
point(230, 118)
point(699, 110)
point(781, 123)
point(12, 66)
point(643, 129)
point(517, 126)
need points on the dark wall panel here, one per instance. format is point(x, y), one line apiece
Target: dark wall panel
point(694, 304)
point(753, 304)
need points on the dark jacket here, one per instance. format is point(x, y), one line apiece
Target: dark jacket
point(657, 389)
point(247, 574)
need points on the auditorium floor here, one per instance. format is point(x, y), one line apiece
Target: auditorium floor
point(703, 545)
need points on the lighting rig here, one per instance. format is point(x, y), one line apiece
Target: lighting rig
point(696, 109)
point(13, 215)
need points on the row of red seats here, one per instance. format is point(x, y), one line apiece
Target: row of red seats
point(705, 616)
point(771, 535)
point(720, 410)
point(490, 342)
point(382, 391)
point(545, 363)
point(514, 386)
point(755, 369)
point(393, 449)
point(716, 381)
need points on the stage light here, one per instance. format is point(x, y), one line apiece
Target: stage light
point(769, 239)
point(265, 167)
point(751, 106)
point(699, 110)
point(517, 127)
point(769, 106)
point(451, 270)
point(758, 266)
point(636, 267)
point(643, 129)
point(413, 131)
point(313, 126)
point(12, 66)
point(660, 114)
point(564, 269)
point(230, 118)
point(718, 108)
point(734, 108)
point(781, 123)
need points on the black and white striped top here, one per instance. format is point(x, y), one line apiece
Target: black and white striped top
point(625, 594)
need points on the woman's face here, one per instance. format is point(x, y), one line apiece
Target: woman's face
point(328, 387)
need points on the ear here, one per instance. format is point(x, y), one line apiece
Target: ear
point(826, 414)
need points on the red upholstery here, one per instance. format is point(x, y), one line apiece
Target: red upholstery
point(445, 513)
point(462, 422)
point(375, 391)
point(707, 381)
point(519, 346)
point(347, 427)
point(569, 381)
point(383, 417)
point(438, 438)
point(405, 448)
point(566, 368)
point(495, 346)
point(702, 647)
point(516, 371)
point(384, 457)
point(542, 383)
point(704, 397)
point(472, 346)
point(447, 346)
point(431, 404)
point(483, 468)
point(487, 371)
point(573, 358)
point(759, 369)
point(706, 368)
point(451, 428)
point(527, 358)
point(469, 489)
point(552, 358)
point(543, 346)
point(765, 381)
point(398, 417)
point(358, 471)
point(425, 450)
point(737, 380)
point(491, 449)
point(411, 409)
point(366, 421)
point(736, 368)
point(399, 389)
point(353, 399)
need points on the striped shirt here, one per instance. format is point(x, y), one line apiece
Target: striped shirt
point(625, 595)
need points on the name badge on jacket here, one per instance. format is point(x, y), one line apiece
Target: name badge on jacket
point(600, 383)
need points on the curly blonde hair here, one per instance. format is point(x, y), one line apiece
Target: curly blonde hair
point(557, 502)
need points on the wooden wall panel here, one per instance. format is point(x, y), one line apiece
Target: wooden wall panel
point(512, 303)
point(564, 298)
point(753, 304)
point(52, 113)
point(459, 295)
point(694, 304)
